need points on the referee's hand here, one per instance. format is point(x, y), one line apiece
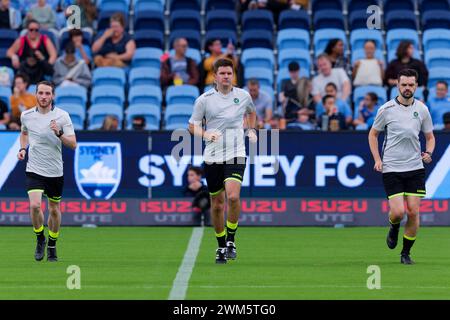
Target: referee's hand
point(21, 155)
point(426, 157)
point(378, 166)
point(211, 136)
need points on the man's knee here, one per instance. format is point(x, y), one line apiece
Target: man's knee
point(397, 213)
point(217, 203)
point(53, 210)
point(35, 206)
point(233, 197)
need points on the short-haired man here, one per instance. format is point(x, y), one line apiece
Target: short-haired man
point(262, 101)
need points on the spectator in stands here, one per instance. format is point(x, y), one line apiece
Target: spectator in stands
point(277, 122)
point(405, 60)
point(214, 47)
point(263, 103)
point(88, 14)
point(114, 47)
point(4, 115)
point(335, 52)
point(295, 94)
point(328, 74)
point(367, 111)
point(332, 119)
point(10, 18)
point(179, 69)
point(446, 119)
point(42, 13)
point(253, 4)
point(20, 100)
point(343, 107)
point(76, 35)
point(33, 44)
point(37, 69)
point(370, 70)
point(69, 70)
point(441, 93)
point(303, 122)
point(440, 103)
point(110, 123)
point(138, 123)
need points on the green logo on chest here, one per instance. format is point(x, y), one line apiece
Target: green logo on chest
point(236, 100)
point(416, 114)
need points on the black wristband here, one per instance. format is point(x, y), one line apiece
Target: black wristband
point(23, 149)
point(60, 133)
point(430, 153)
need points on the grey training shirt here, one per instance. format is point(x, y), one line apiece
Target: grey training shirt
point(224, 114)
point(44, 153)
point(402, 125)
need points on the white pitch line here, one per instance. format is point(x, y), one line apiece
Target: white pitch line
point(181, 282)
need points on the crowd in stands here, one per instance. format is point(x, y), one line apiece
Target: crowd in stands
point(337, 89)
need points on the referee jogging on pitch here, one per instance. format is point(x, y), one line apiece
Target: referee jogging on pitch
point(44, 129)
point(223, 109)
point(402, 119)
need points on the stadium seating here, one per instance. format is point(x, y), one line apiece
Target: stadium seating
point(108, 95)
point(256, 39)
point(185, 20)
point(184, 5)
point(436, 19)
point(77, 114)
point(397, 19)
point(73, 95)
point(328, 19)
point(293, 39)
point(220, 5)
point(149, 38)
point(283, 74)
point(5, 94)
point(192, 36)
point(10, 73)
point(265, 76)
point(436, 74)
point(394, 37)
point(359, 37)
point(437, 58)
point(221, 19)
point(7, 37)
point(224, 35)
point(323, 36)
point(65, 36)
point(177, 116)
point(288, 55)
point(150, 112)
point(360, 92)
point(357, 19)
point(437, 110)
point(150, 5)
point(98, 112)
point(436, 39)
point(113, 5)
point(151, 20)
point(428, 5)
point(392, 5)
point(109, 76)
point(293, 19)
point(258, 57)
point(144, 76)
point(144, 94)
point(257, 20)
point(184, 94)
point(318, 5)
point(147, 57)
point(353, 5)
point(4, 60)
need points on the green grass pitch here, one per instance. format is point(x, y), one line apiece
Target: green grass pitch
point(273, 263)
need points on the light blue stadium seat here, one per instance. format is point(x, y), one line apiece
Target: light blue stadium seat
point(436, 74)
point(145, 94)
point(206, 88)
point(151, 113)
point(328, 18)
point(261, 20)
point(293, 39)
point(297, 19)
point(299, 55)
point(360, 54)
point(258, 57)
point(149, 5)
point(221, 19)
point(10, 73)
point(436, 39)
point(437, 58)
point(108, 94)
point(184, 5)
point(144, 76)
point(360, 92)
point(5, 94)
point(192, 53)
point(109, 76)
point(265, 76)
point(437, 110)
point(359, 37)
point(32, 88)
point(98, 112)
point(70, 95)
point(177, 116)
point(147, 57)
point(323, 36)
point(283, 74)
point(113, 5)
point(77, 114)
point(184, 94)
point(185, 20)
point(396, 19)
point(256, 39)
point(395, 36)
point(418, 94)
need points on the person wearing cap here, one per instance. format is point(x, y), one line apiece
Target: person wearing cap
point(69, 70)
point(295, 94)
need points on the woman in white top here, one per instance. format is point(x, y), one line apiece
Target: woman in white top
point(368, 71)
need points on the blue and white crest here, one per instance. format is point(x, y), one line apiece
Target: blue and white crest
point(98, 169)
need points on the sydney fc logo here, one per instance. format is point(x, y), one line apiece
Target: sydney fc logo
point(98, 169)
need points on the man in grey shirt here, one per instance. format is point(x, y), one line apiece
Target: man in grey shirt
point(263, 103)
point(223, 108)
point(402, 119)
point(44, 129)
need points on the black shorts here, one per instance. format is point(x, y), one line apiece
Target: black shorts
point(51, 187)
point(217, 173)
point(409, 183)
